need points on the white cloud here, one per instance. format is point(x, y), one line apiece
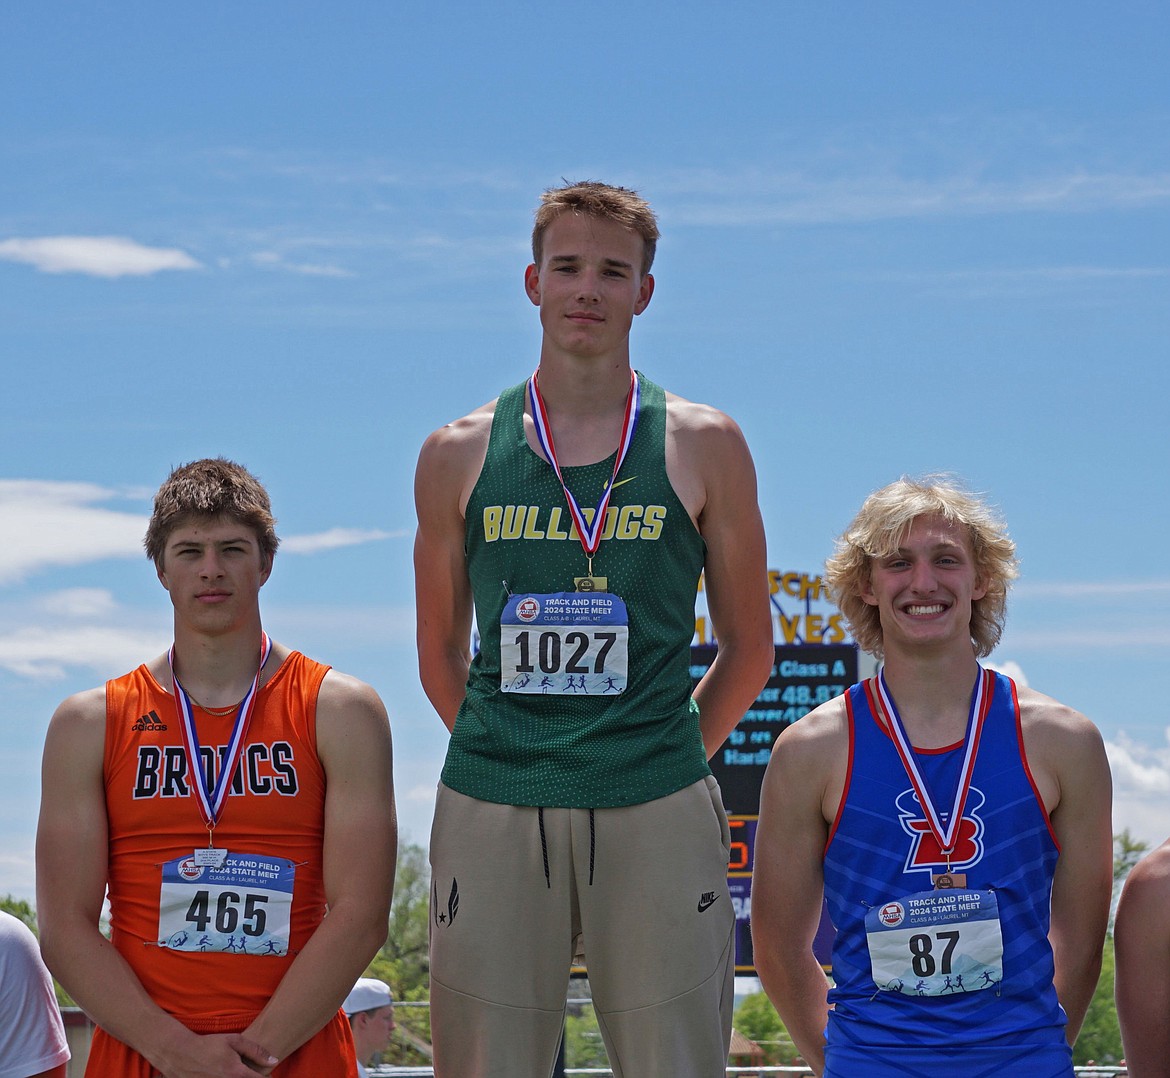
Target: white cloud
point(1091, 614)
point(272, 260)
point(1088, 274)
point(1084, 589)
point(1012, 669)
point(45, 523)
point(1141, 777)
point(316, 626)
point(43, 653)
point(78, 603)
point(1141, 787)
point(1146, 820)
point(1087, 638)
point(17, 868)
point(1033, 281)
point(333, 539)
point(97, 256)
point(1139, 769)
point(803, 198)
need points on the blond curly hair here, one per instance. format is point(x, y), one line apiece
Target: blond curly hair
point(882, 524)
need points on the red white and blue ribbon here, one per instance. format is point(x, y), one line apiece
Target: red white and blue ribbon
point(211, 798)
point(590, 533)
point(946, 836)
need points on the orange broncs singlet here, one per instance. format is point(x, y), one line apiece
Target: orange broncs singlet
point(275, 810)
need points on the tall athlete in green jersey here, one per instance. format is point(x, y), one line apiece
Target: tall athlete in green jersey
point(576, 813)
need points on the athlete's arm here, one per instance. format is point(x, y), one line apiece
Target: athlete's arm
point(1142, 938)
point(1068, 761)
point(72, 864)
point(711, 469)
point(788, 879)
point(448, 466)
point(359, 849)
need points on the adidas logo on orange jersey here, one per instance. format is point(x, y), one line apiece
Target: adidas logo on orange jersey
point(149, 721)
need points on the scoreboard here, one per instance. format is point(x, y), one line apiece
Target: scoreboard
point(803, 676)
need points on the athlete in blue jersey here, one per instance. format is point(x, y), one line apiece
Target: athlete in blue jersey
point(957, 824)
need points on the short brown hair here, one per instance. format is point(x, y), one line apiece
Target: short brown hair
point(213, 487)
point(621, 205)
point(881, 525)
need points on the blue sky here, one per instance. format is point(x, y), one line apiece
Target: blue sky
point(896, 238)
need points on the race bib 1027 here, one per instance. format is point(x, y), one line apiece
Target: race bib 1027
point(565, 643)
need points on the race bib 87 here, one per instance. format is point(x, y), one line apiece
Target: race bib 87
point(936, 943)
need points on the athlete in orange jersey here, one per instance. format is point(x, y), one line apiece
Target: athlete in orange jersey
point(222, 961)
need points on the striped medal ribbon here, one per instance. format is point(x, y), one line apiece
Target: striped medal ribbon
point(946, 835)
point(589, 533)
point(210, 799)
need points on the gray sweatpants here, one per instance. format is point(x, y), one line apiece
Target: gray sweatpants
point(640, 891)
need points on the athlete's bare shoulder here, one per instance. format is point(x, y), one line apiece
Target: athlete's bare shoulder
point(690, 419)
point(1143, 913)
point(811, 748)
point(350, 717)
point(461, 436)
point(83, 709)
point(1152, 875)
point(75, 741)
point(824, 730)
point(809, 760)
point(344, 692)
point(452, 457)
point(1065, 750)
point(707, 460)
point(1042, 718)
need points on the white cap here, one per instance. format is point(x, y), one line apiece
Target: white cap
point(368, 995)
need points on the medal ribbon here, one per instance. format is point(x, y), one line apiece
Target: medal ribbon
point(980, 705)
point(211, 801)
point(590, 535)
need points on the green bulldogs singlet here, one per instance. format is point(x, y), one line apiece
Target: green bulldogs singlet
point(633, 735)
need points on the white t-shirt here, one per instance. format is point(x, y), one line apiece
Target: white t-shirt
point(32, 1035)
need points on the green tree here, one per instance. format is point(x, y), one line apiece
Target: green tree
point(1100, 1036)
point(757, 1019)
point(403, 961)
point(20, 909)
point(1127, 852)
point(583, 1044)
